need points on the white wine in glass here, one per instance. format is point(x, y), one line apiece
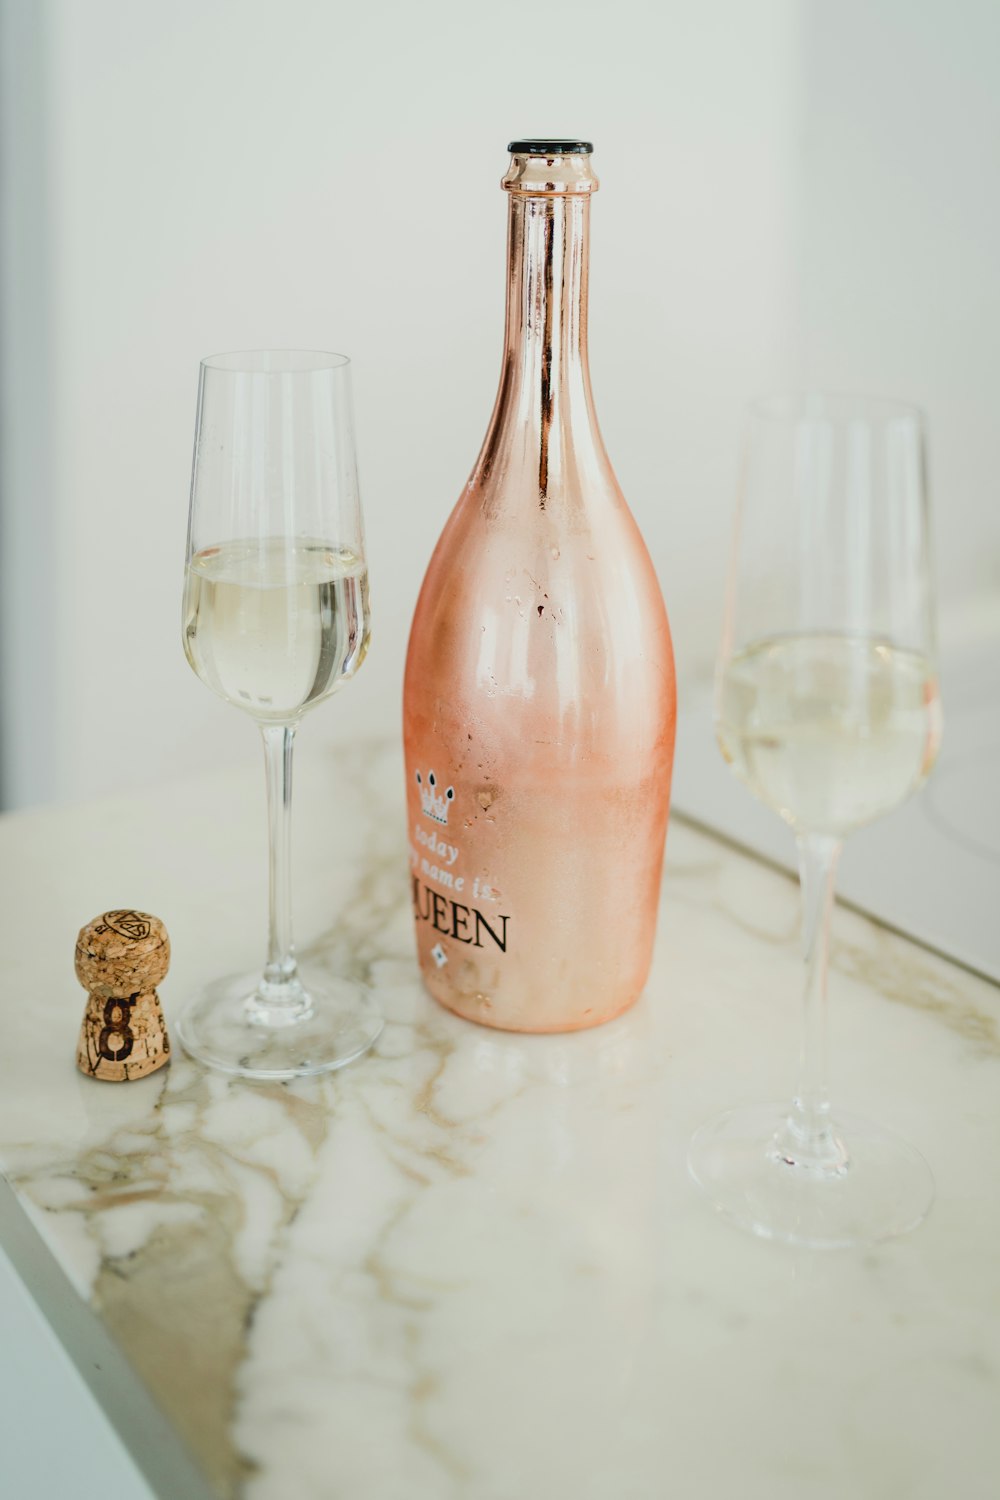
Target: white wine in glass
point(827, 707)
point(275, 620)
point(276, 626)
point(830, 731)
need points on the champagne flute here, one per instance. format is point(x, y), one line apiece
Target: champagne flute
point(275, 620)
point(827, 707)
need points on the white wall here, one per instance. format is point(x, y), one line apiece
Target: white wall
point(899, 251)
point(227, 173)
point(29, 690)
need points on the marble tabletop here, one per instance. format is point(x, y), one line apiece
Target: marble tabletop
point(473, 1266)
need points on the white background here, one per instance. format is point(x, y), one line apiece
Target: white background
point(792, 192)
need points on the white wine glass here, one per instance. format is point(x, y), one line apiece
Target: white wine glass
point(827, 708)
point(275, 620)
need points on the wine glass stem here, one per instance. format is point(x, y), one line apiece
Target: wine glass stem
point(808, 1138)
point(280, 969)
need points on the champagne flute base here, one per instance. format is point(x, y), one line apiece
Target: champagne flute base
point(881, 1188)
point(229, 1029)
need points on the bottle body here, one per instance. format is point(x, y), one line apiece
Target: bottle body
point(539, 701)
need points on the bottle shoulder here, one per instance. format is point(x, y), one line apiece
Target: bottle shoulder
point(587, 554)
point(558, 632)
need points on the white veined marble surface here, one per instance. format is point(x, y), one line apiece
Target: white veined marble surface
point(473, 1266)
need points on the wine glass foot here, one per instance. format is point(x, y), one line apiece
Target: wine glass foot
point(229, 1029)
point(882, 1188)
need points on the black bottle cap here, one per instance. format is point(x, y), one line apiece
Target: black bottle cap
point(545, 146)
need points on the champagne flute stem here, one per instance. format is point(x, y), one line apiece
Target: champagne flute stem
point(808, 1139)
point(280, 969)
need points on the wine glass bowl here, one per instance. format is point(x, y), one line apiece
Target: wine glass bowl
point(275, 626)
point(827, 707)
point(276, 619)
point(828, 730)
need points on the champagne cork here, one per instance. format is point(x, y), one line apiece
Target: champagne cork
point(120, 959)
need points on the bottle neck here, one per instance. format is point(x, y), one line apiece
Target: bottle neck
point(545, 395)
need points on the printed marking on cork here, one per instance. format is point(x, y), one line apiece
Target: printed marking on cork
point(121, 957)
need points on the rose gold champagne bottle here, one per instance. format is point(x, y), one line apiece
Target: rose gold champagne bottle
point(540, 702)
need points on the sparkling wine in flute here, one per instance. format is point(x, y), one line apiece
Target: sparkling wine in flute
point(829, 731)
point(274, 626)
point(539, 699)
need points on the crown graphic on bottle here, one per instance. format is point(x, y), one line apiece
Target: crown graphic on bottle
point(434, 805)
